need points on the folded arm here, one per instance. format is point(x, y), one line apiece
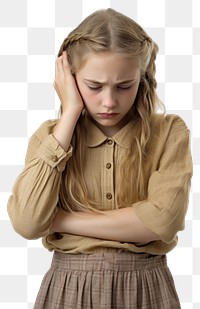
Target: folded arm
point(118, 225)
point(160, 216)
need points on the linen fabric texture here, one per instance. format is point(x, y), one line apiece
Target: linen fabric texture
point(168, 170)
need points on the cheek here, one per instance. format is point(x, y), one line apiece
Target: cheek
point(133, 94)
point(88, 97)
point(130, 96)
point(83, 91)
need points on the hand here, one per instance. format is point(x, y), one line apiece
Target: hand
point(65, 86)
point(58, 223)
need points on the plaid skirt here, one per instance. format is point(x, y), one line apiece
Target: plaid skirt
point(108, 280)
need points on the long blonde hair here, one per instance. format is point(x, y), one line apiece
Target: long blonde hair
point(103, 31)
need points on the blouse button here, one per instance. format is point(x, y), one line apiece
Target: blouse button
point(110, 141)
point(54, 158)
point(109, 196)
point(108, 165)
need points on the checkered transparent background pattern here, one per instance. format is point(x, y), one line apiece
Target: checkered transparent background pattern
point(31, 32)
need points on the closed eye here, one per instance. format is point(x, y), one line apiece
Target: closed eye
point(94, 87)
point(123, 87)
point(99, 87)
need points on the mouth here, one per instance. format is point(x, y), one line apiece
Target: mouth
point(108, 115)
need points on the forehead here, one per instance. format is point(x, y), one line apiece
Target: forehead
point(109, 65)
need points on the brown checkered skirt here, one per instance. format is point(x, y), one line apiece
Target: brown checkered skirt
point(108, 280)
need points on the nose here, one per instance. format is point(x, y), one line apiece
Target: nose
point(109, 99)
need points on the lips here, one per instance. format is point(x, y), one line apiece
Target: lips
point(108, 115)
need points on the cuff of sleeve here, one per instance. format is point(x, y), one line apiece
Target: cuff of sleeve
point(53, 154)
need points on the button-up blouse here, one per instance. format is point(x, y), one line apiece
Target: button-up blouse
point(34, 200)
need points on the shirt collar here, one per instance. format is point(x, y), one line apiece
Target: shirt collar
point(96, 137)
point(124, 136)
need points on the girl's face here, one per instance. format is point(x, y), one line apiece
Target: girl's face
point(108, 84)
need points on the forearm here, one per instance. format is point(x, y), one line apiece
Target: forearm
point(118, 225)
point(71, 102)
point(65, 127)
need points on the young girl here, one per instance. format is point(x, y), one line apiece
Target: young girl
point(106, 185)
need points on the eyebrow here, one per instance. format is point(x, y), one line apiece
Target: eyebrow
point(102, 83)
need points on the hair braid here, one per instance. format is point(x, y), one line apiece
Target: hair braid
point(110, 31)
point(74, 38)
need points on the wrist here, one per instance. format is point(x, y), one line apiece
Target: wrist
point(64, 128)
point(71, 113)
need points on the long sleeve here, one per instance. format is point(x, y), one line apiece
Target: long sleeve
point(168, 189)
point(33, 203)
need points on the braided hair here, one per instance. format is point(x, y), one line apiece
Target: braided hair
point(110, 31)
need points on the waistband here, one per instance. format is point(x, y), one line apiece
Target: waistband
point(123, 261)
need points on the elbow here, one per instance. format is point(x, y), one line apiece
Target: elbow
point(27, 234)
point(29, 230)
point(27, 224)
point(170, 228)
point(167, 236)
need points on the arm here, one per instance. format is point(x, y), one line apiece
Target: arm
point(160, 216)
point(118, 225)
point(71, 102)
point(164, 211)
point(33, 203)
point(35, 194)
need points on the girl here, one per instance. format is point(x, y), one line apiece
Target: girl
point(107, 184)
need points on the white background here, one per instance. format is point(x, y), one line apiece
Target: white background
point(31, 32)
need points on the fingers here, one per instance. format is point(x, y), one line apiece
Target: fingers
point(62, 66)
point(62, 71)
point(59, 67)
point(65, 61)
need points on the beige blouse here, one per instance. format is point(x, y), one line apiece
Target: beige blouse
point(33, 203)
